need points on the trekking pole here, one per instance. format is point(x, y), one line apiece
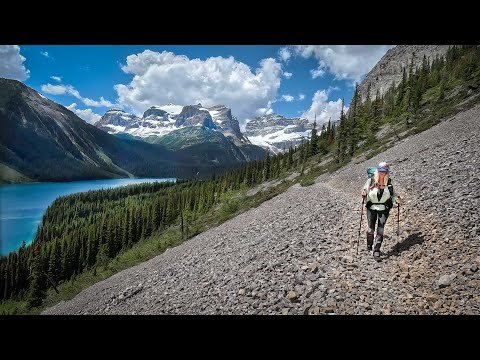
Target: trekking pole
point(360, 229)
point(398, 221)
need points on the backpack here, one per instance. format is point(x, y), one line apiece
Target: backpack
point(371, 170)
point(389, 203)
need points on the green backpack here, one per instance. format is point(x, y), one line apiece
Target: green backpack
point(371, 170)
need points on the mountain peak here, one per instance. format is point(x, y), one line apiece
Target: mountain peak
point(276, 132)
point(159, 120)
point(390, 67)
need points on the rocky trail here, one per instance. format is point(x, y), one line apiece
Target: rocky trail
point(296, 253)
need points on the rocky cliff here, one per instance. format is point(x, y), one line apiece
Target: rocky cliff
point(390, 68)
point(157, 121)
point(276, 132)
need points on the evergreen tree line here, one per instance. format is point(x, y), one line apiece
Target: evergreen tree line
point(421, 84)
point(84, 230)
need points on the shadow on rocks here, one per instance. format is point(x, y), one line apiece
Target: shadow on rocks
point(407, 243)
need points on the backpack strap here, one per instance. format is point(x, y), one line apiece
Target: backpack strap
point(390, 186)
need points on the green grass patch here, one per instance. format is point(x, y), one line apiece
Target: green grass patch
point(307, 182)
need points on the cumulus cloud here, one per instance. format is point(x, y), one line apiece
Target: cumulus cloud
point(287, 75)
point(11, 63)
point(56, 78)
point(45, 53)
point(54, 89)
point(318, 72)
point(301, 97)
point(284, 54)
point(288, 98)
point(102, 102)
point(88, 115)
point(69, 89)
point(323, 108)
point(164, 77)
point(346, 62)
point(264, 111)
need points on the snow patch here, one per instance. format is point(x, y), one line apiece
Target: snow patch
point(115, 128)
point(171, 108)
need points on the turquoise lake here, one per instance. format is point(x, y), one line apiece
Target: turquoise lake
point(23, 205)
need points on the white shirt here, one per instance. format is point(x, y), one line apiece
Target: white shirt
point(372, 196)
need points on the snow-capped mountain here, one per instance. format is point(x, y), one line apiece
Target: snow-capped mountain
point(276, 132)
point(159, 121)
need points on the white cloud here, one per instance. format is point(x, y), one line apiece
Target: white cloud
point(45, 53)
point(11, 63)
point(54, 89)
point(318, 72)
point(56, 78)
point(69, 89)
point(301, 97)
point(88, 115)
point(263, 111)
point(284, 54)
point(287, 75)
point(102, 102)
point(161, 78)
point(346, 62)
point(288, 98)
point(323, 108)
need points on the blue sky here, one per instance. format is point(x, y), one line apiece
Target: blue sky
point(250, 79)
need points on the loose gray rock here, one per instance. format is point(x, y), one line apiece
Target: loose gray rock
point(445, 280)
point(292, 295)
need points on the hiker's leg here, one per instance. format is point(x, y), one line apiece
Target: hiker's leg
point(372, 219)
point(382, 219)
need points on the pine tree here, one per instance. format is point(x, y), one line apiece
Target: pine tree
point(409, 91)
point(352, 123)
point(54, 265)
point(441, 92)
point(313, 139)
point(330, 132)
point(37, 288)
point(267, 167)
point(290, 157)
point(341, 135)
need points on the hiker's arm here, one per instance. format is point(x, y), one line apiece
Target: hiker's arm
point(365, 188)
point(394, 196)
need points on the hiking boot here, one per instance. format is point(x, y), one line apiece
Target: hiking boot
point(376, 250)
point(369, 242)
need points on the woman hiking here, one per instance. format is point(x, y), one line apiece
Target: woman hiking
point(379, 196)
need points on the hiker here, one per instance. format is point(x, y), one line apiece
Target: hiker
point(379, 196)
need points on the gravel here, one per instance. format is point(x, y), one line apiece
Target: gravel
point(296, 253)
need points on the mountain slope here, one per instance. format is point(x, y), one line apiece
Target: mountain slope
point(390, 67)
point(209, 146)
point(276, 132)
point(177, 127)
point(292, 256)
point(44, 141)
point(158, 121)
